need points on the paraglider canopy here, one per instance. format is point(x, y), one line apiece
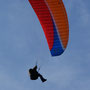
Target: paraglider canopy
point(53, 18)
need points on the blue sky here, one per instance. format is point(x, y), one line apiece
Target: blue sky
point(22, 43)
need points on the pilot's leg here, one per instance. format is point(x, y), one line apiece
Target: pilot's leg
point(41, 77)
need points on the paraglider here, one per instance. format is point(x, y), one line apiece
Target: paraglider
point(53, 19)
point(34, 74)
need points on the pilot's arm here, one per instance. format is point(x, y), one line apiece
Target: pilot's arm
point(35, 68)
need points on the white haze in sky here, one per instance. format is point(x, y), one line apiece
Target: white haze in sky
point(22, 43)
